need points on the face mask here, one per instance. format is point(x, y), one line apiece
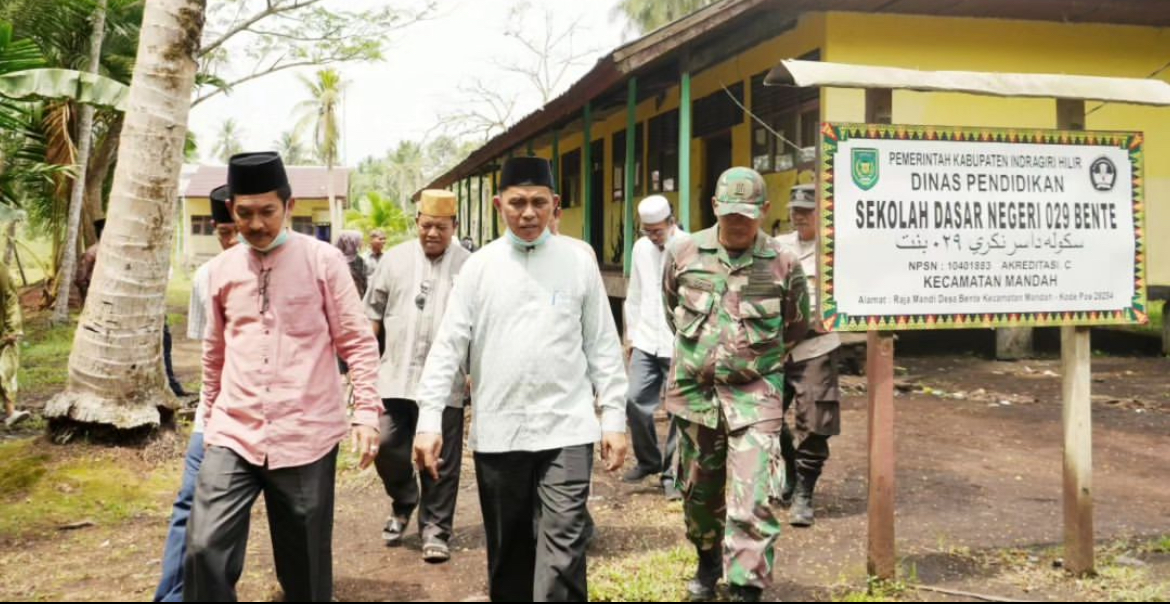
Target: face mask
point(527, 246)
point(279, 241)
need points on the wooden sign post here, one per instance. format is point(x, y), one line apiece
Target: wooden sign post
point(1076, 359)
point(881, 557)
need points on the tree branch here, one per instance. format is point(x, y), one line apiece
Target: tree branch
point(273, 9)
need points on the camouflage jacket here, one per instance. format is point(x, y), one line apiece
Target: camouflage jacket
point(734, 320)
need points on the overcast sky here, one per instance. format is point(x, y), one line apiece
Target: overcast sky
point(405, 96)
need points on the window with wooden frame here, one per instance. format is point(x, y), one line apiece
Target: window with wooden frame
point(570, 178)
point(202, 225)
point(718, 112)
point(789, 114)
point(619, 163)
point(662, 162)
point(303, 225)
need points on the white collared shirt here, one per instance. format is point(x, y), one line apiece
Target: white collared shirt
point(646, 327)
point(541, 339)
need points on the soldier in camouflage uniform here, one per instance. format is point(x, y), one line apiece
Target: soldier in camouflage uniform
point(736, 302)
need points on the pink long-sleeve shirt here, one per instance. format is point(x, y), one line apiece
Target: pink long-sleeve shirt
point(271, 389)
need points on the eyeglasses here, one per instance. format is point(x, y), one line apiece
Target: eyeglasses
point(421, 299)
point(265, 274)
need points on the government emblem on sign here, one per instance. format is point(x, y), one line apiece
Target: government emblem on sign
point(865, 168)
point(1103, 173)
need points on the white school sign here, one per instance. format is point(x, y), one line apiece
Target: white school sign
point(935, 228)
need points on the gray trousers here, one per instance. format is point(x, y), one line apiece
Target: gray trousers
point(300, 518)
point(436, 517)
point(535, 518)
point(648, 375)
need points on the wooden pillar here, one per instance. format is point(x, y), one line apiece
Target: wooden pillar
point(466, 207)
point(1076, 361)
point(495, 212)
point(1166, 329)
point(479, 208)
point(881, 560)
point(556, 160)
point(587, 173)
point(628, 196)
point(684, 152)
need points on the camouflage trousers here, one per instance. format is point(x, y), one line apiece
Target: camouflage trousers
point(726, 479)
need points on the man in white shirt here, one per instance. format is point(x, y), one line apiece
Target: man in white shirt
point(406, 301)
point(652, 345)
point(530, 312)
point(811, 384)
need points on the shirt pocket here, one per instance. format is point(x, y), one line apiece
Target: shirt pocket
point(303, 316)
point(694, 306)
point(763, 320)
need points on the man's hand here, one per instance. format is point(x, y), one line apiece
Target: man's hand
point(613, 450)
point(365, 443)
point(426, 453)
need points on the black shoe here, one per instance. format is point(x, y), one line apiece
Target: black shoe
point(743, 593)
point(635, 475)
point(702, 587)
point(671, 490)
point(801, 514)
point(395, 529)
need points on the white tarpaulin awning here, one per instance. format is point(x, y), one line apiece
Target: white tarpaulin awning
point(1135, 91)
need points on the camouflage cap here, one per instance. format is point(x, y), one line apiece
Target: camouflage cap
point(741, 191)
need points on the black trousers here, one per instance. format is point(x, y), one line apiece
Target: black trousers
point(300, 518)
point(436, 517)
point(535, 517)
point(172, 381)
point(811, 390)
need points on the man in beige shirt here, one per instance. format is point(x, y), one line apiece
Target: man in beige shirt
point(811, 385)
point(406, 301)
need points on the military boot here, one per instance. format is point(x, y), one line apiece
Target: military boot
point(702, 587)
point(801, 514)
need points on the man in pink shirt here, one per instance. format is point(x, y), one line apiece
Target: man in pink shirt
point(279, 306)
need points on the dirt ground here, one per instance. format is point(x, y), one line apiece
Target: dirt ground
point(978, 501)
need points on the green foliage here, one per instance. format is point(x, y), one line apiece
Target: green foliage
point(227, 140)
point(320, 114)
point(408, 168)
point(376, 212)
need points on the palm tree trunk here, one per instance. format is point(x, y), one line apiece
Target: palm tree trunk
point(115, 368)
point(85, 136)
point(100, 161)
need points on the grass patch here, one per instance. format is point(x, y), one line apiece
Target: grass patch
point(1033, 571)
point(39, 493)
point(1160, 545)
point(21, 467)
point(659, 576)
point(179, 291)
point(44, 356)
